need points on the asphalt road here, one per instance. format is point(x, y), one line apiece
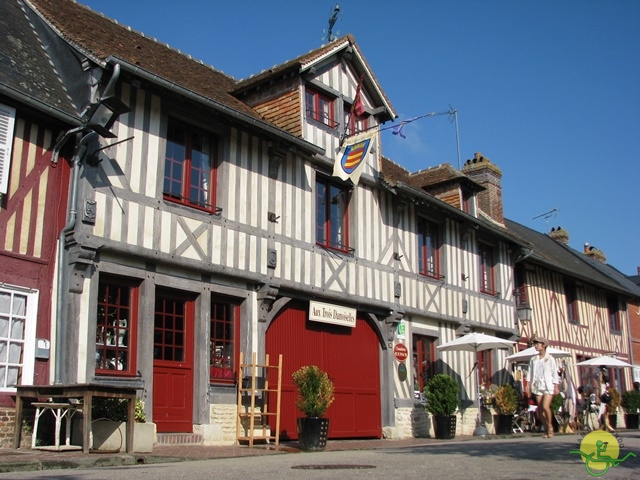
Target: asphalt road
point(524, 458)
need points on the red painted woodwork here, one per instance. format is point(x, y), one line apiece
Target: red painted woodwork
point(32, 214)
point(351, 358)
point(173, 364)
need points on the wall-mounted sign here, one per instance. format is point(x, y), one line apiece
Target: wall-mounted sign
point(400, 352)
point(327, 313)
point(402, 371)
point(401, 329)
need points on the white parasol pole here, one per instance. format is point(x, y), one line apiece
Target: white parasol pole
point(480, 430)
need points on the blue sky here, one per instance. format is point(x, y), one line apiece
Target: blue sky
point(548, 90)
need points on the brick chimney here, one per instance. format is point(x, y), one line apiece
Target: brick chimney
point(481, 170)
point(560, 235)
point(594, 253)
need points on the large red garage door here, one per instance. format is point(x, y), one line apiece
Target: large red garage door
point(351, 358)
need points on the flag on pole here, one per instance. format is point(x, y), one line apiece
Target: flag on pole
point(352, 155)
point(398, 130)
point(358, 106)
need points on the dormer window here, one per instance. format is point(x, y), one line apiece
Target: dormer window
point(467, 201)
point(319, 107)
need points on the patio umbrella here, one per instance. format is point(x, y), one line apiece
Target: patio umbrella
point(604, 361)
point(476, 342)
point(529, 353)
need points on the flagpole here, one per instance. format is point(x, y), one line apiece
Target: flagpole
point(451, 112)
point(455, 117)
point(356, 99)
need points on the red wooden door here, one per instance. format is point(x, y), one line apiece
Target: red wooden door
point(173, 364)
point(351, 358)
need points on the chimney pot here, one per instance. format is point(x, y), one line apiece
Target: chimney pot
point(559, 235)
point(594, 253)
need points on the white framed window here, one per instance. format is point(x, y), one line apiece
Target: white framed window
point(18, 313)
point(7, 122)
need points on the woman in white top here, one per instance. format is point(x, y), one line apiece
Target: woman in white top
point(543, 382)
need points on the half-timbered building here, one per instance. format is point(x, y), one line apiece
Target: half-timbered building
point(217, 217)
point(415, 253)
point(213, 221)
point(580, 303)
point(34, 108)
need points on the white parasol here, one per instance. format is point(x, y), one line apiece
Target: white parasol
point(604, 361)
point(529, 353)
point(476, 342)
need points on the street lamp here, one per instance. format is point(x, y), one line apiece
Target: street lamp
point(523, 308)
point(101, 116)
point(524, 312)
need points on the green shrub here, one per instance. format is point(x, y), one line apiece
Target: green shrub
point(556, 402)
point(315, 390)
point(505, 400)
point(615, 399)
point(442, 395)
point(116, 409)
point(630, 401)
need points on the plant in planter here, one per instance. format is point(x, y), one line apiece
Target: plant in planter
point(315, 395)
point(108, 427)
point(556, 404)
point(612, 408)
point(115, 409)
point(442, 395)
point(139, 414)
point(505, 403)
point(630, 403)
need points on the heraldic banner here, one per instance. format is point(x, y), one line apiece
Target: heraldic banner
point(352, 155)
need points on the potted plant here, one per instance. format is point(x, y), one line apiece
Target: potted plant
point(442, 395)
point(556, 404)
point(505, 403)
point(315, 395)
point(630, 403)
point(612, 408)
point(108, 426)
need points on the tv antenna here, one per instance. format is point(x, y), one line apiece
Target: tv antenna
point(335, 16)
point(547, 215)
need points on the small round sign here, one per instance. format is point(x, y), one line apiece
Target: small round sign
point(400, 352)
point(402, 371)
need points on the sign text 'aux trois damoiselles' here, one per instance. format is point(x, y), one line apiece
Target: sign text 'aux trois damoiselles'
point(326, 313)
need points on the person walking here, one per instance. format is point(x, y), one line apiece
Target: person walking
point(605, 400)
point(543, 382)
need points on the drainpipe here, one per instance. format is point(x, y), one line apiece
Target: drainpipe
point(112, 81)
point(72, 214)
